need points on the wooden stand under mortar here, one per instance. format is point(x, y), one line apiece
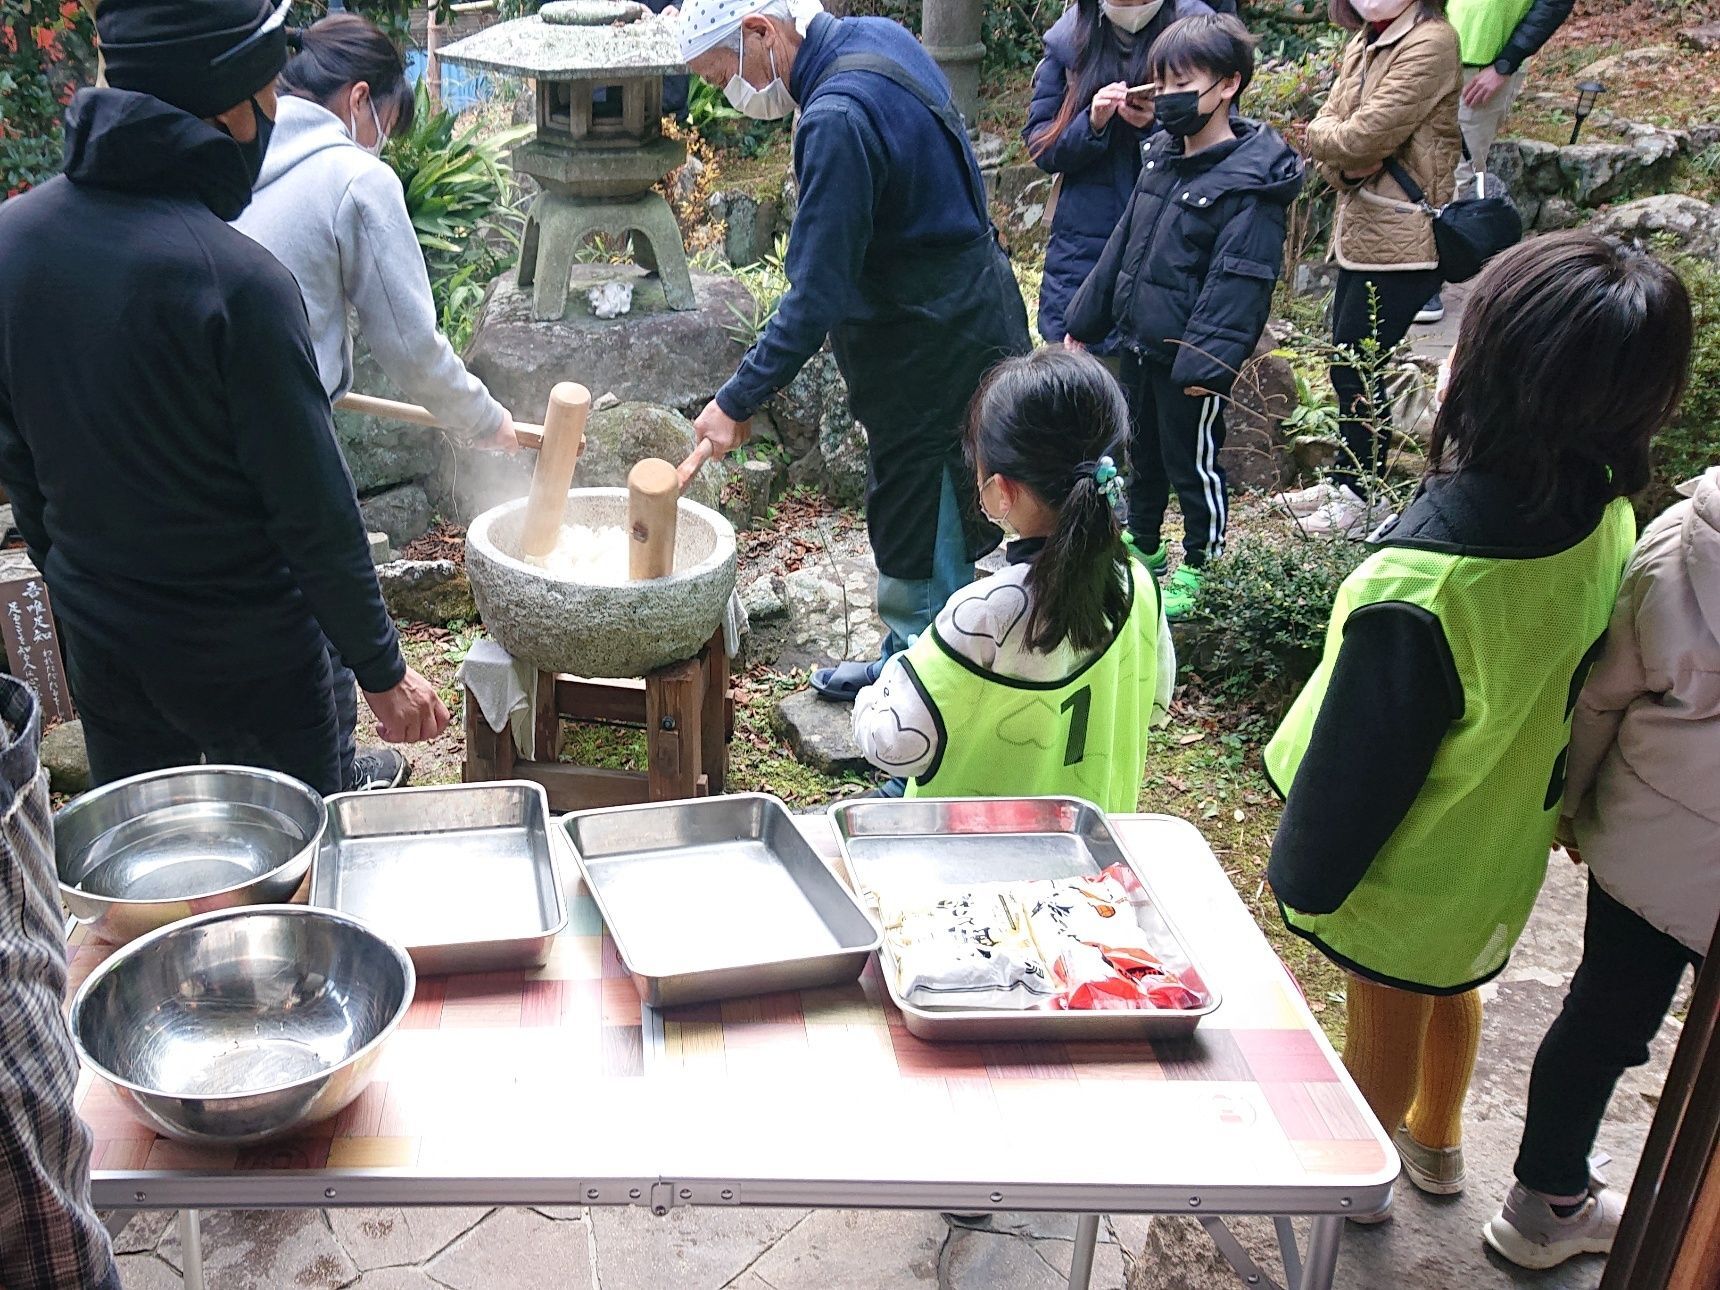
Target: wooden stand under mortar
point(684, 708)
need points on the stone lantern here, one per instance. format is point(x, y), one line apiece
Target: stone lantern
point(599, 147)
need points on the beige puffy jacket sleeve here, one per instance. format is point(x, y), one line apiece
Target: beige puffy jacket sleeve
point(1382, 120)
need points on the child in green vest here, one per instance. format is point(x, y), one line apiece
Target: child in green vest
point(1425, 761)
point(1042, 679)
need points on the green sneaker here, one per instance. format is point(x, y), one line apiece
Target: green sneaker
point(1181, 592)
point(1156, 561)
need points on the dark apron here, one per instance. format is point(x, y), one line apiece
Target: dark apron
point(932, 323)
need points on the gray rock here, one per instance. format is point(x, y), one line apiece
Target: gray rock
point(516, 1249)
point(618, 438)
point(819, 431)
point(382, 1238)
point(1646, 57)
point(380, 552)
point(426, 591)
point(143, 1232)
point(469, 481)
point(535, 48)
point(1704, 37)
point(65, 758)
point(402, 512)
point(751, 225)
point(763, 601)
point(602, 631)
point(146, 1272)
point(390, 1279)
point(1255, 453)
point(382, 453)
point(1694, 225)
point(678, 358)
point(1556, 213)
point(820, 732)
point(833, 619)
point(1597, 173)
point(801, 405)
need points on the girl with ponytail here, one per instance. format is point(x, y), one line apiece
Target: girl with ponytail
point(1044, 678)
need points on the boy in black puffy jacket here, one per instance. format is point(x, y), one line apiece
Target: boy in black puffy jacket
point(1186, 279)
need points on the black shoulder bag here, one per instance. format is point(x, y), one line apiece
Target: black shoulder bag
point(1468, 232)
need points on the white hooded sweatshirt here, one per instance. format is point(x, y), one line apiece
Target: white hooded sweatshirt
point(336, 217)
point(1644, 769)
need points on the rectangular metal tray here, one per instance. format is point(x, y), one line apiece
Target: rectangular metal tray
point(901, 843)
point(718, 898)
point(466, 877)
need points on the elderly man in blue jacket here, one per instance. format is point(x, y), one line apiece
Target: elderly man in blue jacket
point(894, 258)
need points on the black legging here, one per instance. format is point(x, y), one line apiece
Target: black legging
point(1617, 1001)
point(1385, 313)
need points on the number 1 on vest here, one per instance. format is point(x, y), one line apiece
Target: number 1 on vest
point(1078, 706)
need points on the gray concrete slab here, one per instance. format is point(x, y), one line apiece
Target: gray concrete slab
point(391, 1238)
point(847, 1250)
point(518, 1249)
point(636, 1250)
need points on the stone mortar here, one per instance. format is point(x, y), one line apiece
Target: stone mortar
point(599, 631)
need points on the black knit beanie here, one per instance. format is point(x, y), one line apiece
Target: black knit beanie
point(173, 49)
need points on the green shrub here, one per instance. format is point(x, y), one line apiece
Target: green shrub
point(461, 200)
point(1260, 623)
point(44, 56)
point(1691, 443)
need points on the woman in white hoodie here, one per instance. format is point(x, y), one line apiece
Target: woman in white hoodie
point(334, 213)
point(1642, 797)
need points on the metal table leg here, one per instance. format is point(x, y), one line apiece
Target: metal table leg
point(1321, 1264)
point(191, 1248)
point(1288, 1252)
point(1081, 1258)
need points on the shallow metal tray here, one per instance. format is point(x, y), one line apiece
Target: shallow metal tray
point(897, 844)
point(466, 877)
point(717, 898)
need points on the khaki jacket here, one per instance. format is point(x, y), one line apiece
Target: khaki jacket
point(1395, 96)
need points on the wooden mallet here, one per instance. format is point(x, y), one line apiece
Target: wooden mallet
point(654, 489)
point(370, 405)
point(563, 437)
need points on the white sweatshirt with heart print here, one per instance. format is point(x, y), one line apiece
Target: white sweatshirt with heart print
point(985, 623)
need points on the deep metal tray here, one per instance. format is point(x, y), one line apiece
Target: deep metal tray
point(717, 898)
point(901, 844)
point(466, 877)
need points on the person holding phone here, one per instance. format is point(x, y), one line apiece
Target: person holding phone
point(1085, 126)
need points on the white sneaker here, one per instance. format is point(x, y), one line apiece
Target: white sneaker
point(1531, 1235)
point(1299, 502)
point(1347, 514)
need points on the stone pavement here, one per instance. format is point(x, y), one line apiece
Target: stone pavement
point(1431, 1244)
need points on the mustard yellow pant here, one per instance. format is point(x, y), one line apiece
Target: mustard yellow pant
point(1412, 1055)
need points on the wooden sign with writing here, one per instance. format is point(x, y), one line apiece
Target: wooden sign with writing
point(32, 644)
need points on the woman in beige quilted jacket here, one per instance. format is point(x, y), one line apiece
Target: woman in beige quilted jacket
point(1394, 101)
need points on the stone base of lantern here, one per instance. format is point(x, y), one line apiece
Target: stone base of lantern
point(557, 226)
point(684, 708)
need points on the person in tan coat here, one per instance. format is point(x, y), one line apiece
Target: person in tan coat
point(1643, 799)
point(1394, 101)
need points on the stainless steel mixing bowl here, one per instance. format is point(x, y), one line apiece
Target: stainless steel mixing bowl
point(244, 1024)
point(147, 851)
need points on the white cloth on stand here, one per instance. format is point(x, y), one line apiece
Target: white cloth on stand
point(505, 688)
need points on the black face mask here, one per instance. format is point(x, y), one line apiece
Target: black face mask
point(1180, 112)
point(255, 150)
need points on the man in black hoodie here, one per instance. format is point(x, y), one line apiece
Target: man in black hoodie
point(164, 437)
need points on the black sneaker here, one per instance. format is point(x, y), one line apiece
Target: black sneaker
point(1433, 311)
point(375, 768)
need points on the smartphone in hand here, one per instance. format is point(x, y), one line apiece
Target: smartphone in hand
point(1138, 96)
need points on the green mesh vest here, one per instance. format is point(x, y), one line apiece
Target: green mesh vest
point(1483, 27)
point(1083, 736)
point(1447, 896)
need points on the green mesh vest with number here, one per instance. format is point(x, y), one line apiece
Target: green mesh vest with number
point(1083, 736)
point(1446, 898)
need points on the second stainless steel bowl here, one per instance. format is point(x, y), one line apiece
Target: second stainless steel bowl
point(147, 851)
point(241, 1025)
